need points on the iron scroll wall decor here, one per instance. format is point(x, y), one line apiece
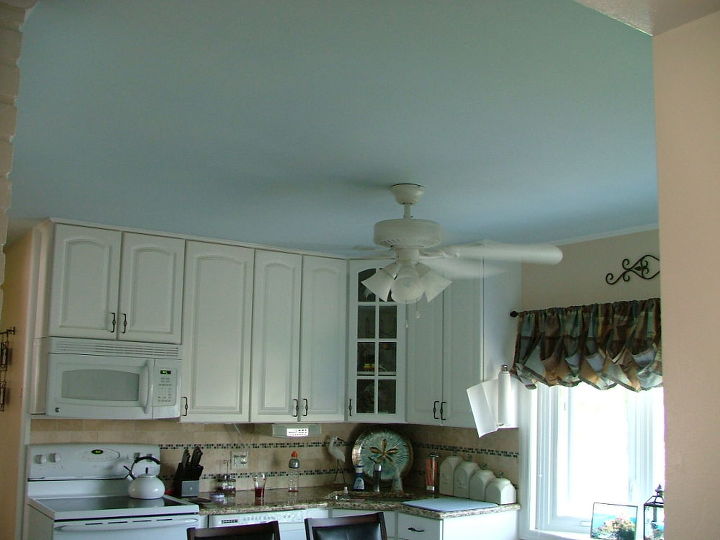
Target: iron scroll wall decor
point(5, 355)
point(640, 268)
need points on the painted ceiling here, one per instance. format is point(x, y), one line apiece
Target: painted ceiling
point(283, 122)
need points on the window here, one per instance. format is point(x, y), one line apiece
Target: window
point(591, 446)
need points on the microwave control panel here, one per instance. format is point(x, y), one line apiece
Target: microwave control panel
point(166, 386)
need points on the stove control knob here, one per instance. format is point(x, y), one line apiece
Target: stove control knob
point(55, 458)
point(41, 459)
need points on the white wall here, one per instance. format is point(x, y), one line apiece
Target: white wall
point(580, 278)
point(687, 100)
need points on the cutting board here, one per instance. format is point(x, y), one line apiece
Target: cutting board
point(449, 504)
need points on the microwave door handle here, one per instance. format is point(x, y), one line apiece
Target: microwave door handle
point(147, 375)
point(129, 525)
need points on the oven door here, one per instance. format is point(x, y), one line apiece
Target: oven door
point(131, 528)
point(87, 386)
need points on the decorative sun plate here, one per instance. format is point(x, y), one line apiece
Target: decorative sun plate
point(384, 446)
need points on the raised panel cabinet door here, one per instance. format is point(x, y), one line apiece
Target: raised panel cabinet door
point(425, 362)
point(323, 327)
point(151, 281)
point(463, 354)
point(84, 286)
point(276, 337)
point(217, 326)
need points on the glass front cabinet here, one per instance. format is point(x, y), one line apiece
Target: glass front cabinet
point(376, 373)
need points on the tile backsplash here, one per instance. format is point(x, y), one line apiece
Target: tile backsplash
point(499, 450)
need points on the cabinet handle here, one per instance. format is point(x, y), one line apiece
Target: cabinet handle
point(124, 323)
point(413, 529)
point(350, 407)
point(296, 407)
point(114, 322)
point(442, 410)
point(435, 404)
point(185, 408)
point(306, 406)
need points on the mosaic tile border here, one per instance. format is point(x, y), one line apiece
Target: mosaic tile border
point(268, 474)
point(468, 450)
point(231, 446)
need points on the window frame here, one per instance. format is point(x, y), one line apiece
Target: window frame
point(538, 463)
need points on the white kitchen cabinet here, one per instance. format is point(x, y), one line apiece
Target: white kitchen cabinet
point(456, 341)
point(111, 285)
point(389, 516)
point(487, 526)
point(276, 337)
point(290, 339)
point(217, 326)
point(323, 332)
point(376, 351)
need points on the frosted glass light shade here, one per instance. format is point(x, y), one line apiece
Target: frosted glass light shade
point(407, 288)
point(432, 282)
point(379, 284)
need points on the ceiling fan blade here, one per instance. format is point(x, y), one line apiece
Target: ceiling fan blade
point(457, 269)
point(528, 253)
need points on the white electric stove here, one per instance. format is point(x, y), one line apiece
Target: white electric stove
point(79, 491)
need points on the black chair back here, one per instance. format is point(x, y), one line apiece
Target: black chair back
point(362, 527)
point(256, 531)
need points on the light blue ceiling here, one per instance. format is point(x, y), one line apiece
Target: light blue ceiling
point(282, 121)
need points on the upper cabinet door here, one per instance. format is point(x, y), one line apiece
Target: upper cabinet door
point(151, 288)
point(84, 289)
point(425, 362)
point(217, 322)
point(376, 351)
point(276, 337)
point(323, 330)
point(462, 349)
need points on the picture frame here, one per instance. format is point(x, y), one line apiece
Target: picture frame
point(613, 521)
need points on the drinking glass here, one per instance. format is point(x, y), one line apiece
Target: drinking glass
point(259, 483)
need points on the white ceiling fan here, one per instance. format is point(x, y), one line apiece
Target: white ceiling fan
point(420, 260)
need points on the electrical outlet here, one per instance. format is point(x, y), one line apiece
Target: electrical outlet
point(240, 460)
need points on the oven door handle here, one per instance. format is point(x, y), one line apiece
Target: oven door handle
point(129, 524)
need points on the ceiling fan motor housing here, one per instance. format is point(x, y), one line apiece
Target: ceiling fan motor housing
point(408, 233)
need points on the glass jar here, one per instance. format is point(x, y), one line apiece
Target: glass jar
point(226, 484)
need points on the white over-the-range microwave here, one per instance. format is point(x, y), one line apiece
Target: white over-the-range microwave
point(88, 378)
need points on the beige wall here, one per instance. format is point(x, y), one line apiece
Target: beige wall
point(14, 313)
point(580, 278)
point(687, 96)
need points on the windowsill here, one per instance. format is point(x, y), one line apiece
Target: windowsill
point(555, 535)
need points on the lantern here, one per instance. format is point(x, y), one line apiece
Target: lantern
point(654, 514)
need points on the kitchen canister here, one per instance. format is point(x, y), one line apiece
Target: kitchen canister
point(461, 478)
point(500, 491)
point(447, 474)
point(479, 482)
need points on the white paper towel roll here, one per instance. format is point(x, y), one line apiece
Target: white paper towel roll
point(493, 404)
point(504, 396)
point(483, 398)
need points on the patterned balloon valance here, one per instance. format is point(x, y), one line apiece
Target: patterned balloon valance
point(599, 344)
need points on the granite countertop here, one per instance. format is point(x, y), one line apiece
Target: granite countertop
point(277, 500)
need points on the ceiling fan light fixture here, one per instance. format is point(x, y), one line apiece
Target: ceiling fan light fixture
point(432, 282)
point(407, 288)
